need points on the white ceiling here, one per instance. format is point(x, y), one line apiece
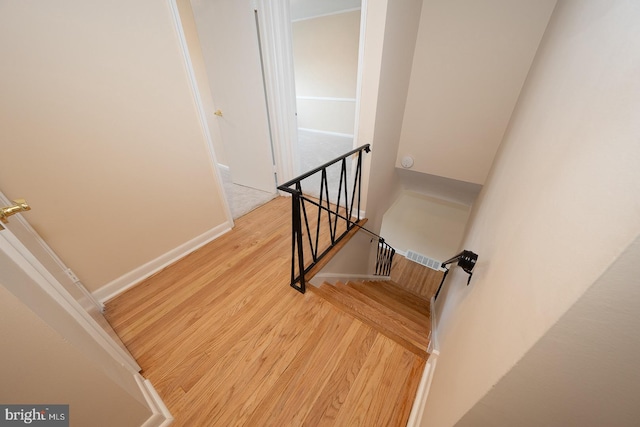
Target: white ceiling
point(303, 9)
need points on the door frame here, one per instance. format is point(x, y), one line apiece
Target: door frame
point(60, 311)
point(275, 34)
point(277, 50)
point(202, 115)
point(49, 295)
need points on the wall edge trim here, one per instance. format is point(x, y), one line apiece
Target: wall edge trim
point(160, 415)
point(326, 132)
point(422, 394)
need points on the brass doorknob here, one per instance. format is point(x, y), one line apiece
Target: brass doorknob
point(218, 113)
point(20, 206)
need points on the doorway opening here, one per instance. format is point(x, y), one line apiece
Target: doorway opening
point(326, 43)
point(223, 44)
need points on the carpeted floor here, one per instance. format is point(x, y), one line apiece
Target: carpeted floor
point(314, 149)
point(241, 199)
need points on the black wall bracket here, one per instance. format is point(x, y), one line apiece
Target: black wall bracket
point(466, 260)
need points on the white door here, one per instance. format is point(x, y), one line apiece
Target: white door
point(229, 39)
point(30, 251)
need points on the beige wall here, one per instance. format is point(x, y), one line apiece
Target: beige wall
point(38, 366)
point(429, 226)
point(188, 23)
point(101, 134)
point(391, 28)
point(325, 52)
point(326, 115)
point(470, 63)
point(584, 370)
point(560, 205)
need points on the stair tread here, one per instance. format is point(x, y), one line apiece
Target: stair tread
point(374, 291)
point(403, 333)
point(410, 299)
point(420, 325)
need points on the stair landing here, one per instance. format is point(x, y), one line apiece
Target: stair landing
point(386, 307)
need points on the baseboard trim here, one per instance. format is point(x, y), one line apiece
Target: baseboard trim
point(160, 415)
point(126, 281)
point(420, 402)
point(326, 132)
point(434, 346)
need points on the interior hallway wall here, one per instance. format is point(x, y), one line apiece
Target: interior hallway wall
point(389, 45)
point(471, 60)
point(325, 51)
point(204, 90)
point(101, 134)
point(560, 206)
point(588, 359)
point(426, 225)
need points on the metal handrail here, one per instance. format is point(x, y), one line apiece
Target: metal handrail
point(299, 212)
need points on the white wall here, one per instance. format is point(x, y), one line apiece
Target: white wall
point(391, 28)
point(38, 366)
point(325, 52)
point(584, 370)
point(470, 63)
point(101, 133)
point(192, 39)
point(426, 225)
point(560, 205)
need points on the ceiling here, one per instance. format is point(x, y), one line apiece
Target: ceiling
point(304, 9)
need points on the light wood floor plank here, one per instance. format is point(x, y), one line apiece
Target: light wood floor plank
point(359, 398)
point(422, 281)
point(227, 342)
point(391, 383)
point(335, 391)
point(291, 397)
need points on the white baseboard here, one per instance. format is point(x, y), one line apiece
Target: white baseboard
point(160, 415)
point(326, 132)
point(135, 276)
point(420, 402)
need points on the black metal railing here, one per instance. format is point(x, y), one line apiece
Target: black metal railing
point(313, 238)
point(384, 258)
point(466, 260)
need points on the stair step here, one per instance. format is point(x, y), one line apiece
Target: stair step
point(408, 298)
point(415, 309)
point(406, 333)
point(419, 325)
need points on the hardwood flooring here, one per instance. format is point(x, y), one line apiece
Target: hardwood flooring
point(227, 342)
point(415, 278)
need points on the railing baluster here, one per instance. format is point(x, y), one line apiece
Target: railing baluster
point(299, 212)
point(298, 234)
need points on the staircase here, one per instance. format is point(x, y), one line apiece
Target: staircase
point(399, 314)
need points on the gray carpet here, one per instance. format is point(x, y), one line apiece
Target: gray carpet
point(315, 149)
point(241, 199)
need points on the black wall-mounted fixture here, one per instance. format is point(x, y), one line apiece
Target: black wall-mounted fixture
point(466, 260)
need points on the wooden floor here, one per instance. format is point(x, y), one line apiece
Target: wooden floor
point(415, 278)
point(226, 341)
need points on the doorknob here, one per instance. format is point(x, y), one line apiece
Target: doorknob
point(218, 113)
point(20, 206)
